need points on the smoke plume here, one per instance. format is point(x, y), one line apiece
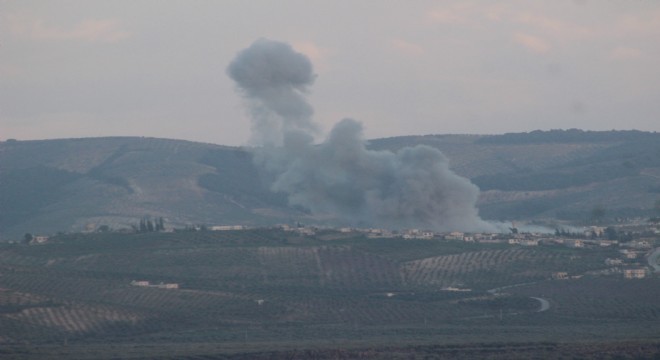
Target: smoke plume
point(413, 187)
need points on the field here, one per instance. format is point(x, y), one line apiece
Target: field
point(273, 294)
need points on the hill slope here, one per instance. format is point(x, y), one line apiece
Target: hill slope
point(73, 184)
point(554, 174)
point(63, 185)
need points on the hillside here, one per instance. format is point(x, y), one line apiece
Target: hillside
point(76, 184)
point(554, 174)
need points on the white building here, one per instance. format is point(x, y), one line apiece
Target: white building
point(524, 242)
point(145, 283)
point(417, 234)
point(39, 239)
point(613, 262)
point(636, 273)
point(454, 236)
point(227, 227)
point(574, 243)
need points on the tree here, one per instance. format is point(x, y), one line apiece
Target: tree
point(27, 238)
point(656, 208)
point(598, 213)
point(611, 233)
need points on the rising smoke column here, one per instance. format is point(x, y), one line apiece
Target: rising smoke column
point(413, 187)
point(274, 79)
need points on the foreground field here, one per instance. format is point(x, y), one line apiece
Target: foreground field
point(269, 293)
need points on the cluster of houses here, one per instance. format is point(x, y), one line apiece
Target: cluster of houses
point(593, 237)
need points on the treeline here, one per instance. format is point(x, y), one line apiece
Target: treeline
point(567, 136)
point(147, 225)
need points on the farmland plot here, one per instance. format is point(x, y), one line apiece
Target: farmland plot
point(11, 300)
point(219, 263)
point(600, 298)
point(25, 316)
point(74, 318)
point(277, 287)
point(290, 265)
point(342, 267)
point(487, 268)
point(376, 309)
point(96, 307)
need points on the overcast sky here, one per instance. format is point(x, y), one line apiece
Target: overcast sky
point(157, 68)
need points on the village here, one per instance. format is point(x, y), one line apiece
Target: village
point(637, 242)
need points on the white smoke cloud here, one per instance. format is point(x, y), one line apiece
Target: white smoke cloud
point(413, 187)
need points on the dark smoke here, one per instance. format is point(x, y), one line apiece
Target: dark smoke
point(413, 187)
point(274, 78)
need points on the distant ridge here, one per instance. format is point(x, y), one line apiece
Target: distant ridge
point(48, 186)
point(568, 136)
point(555, 174)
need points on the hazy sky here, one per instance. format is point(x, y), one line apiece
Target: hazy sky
point(157, 68)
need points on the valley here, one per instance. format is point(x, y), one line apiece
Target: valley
point(277, 293)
